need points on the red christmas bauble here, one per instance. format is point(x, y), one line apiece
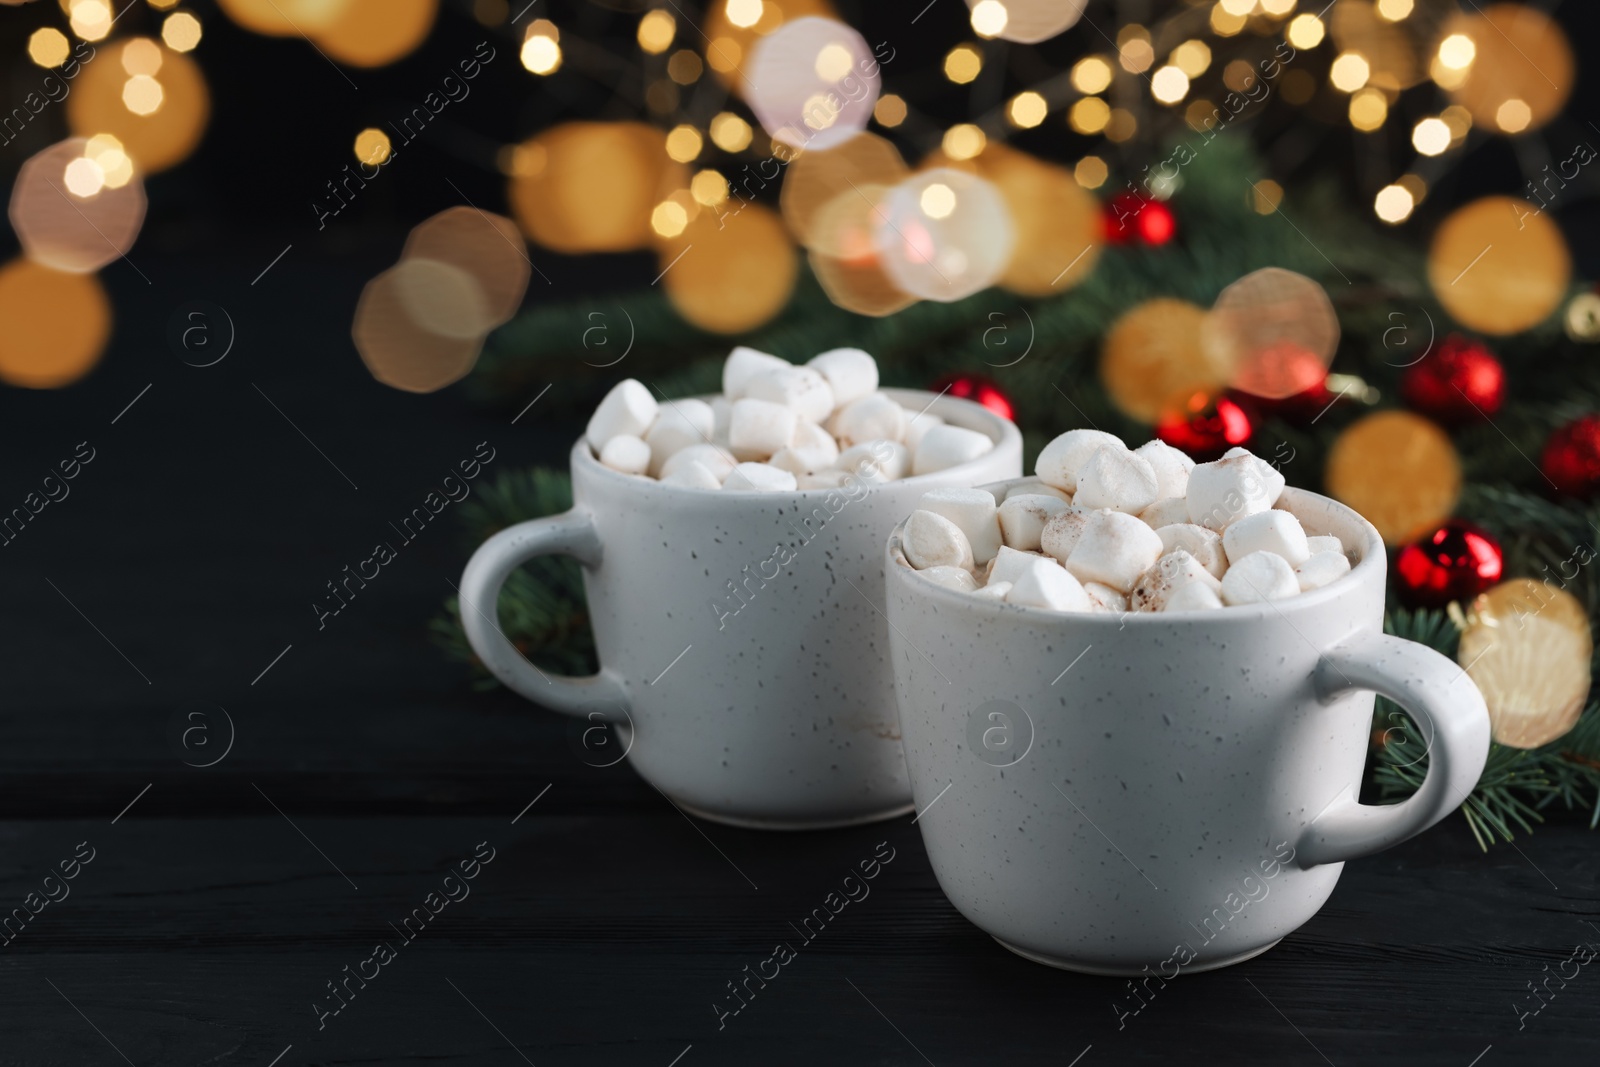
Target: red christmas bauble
point(1129, 218)
point(1206, 427)
point(1455, 562)
point(1461, 381)
point(1571, 458)
point(978, 388)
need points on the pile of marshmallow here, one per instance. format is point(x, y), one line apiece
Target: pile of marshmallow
point(1103, 528)
point(778, 427)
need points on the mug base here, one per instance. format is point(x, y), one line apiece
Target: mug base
point(1129, 972)
point(798, 824)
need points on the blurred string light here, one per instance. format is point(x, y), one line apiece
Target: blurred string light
point(963, 141)
point(1134, 51)
point(153, 100)
point(730, 133)
point(709, 187)
point(541, 47)
point(1305, 31)
point(989, 18)
point(1192, 57)
point(1430, 136)
point(1369, 109)
point(1265, 196)
point(1395, 10)
point(76, 205)
point(1089, 115)
point(57, 324)
point(1091, 75)
point(1027, 110)
point(684, 144)
point(1024, 21)
point(359, 33)
point(889, 111)
point(90, 19)
point(372, 147)
point(1394, 204)
point(657, 29)
point(49, 47)
point(812, 83)
point(963, 63)
point(1169, 85)
point(1349, 72)
point(181, 31)
point(1090, 172)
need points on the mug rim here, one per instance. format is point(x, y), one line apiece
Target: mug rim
point(1372, 558)
point(999, 429)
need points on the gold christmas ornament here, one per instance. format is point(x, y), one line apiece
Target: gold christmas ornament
point(1499, 265)
point(732, 273)
point(157, 117)
point(1527, 646)
point(815, 179)
point(1398, 470)
point(1274, 330)
point(590, 186)
point(1152, 358)
point(1520, 71)
point(1582, 320)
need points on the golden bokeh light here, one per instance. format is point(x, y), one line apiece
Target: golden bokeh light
point(1121, 125)
point(374, 33)
point(684, 66)
point(116, 168)
point(1277, 8)
point(484, 245)
point(937, 201)
point(1091, 172)
point(1224, 23)
point(66, 214)
point(57, 325)
point(1151, 358)
point(1169, 85)
point(372, 146)
point(889, 111)
point(989, 18)
point(669, 218)
point(730, 133)
point(744, 13)
point(1089, 115)
point(590, 186)
point(684, 144)
point(1398, 470)
point(158, 120)
point(844, 257)
point(1090, 75)
point(709, 187)
point(1499, 265)
point(1395, 10)
point(1394, 204)
point(1431, 137)
point(816, 179)
point(49, 47)
point(162, 5)
point(1027, 110)
point(657, 28)
point(1369, 109)
point(963, 141)
point(141, 55)
point(1059, 244)
point(1136, 55)
point(1459, 119)
point(397, 349)
point(1457, 51)
point(728, 44)
point(732, 273)
point(963, 63)
point(1274, 331)
point(1192, 57)
point(1349, 72)
point(541, 48)
point(1305, 31)
point(1396, 51)
point(90, 19)
point(1528, 649)
point(283, 18)
point(181, 31)
point(442, 299)
point(1520, 57)
point(1265, 196)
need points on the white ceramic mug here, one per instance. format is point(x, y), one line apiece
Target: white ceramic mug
point(741, 636)
point(1155, 793)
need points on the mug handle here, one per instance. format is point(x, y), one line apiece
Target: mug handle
point(1449, 710)
point(602, 696)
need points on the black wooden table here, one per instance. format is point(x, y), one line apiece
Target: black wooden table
point(233, 913)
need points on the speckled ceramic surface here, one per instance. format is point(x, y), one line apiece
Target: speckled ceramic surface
point(773, 707)
point(1154, 793)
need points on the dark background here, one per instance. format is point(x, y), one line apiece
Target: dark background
point(362, 766)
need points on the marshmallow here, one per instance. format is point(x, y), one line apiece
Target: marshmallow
point(721, 415)
point(626, 454)
point(627, 409)
point(1167, 512)
point(942, 447)
point(716, 459)
point(1023, 518)
point(1061, 531)
point(828, 479)
point(1117, 479)
point(1034, 487)
point(1266, 531)
point(1062, 458)
point(1172, 467)
point(1008, 565)
point(1170, 573)
point(1105, 598)
point(993, 591)
point(851, 373)
point(952, 578)
point(692, 475)
point(812, 449)
point(873, 416)
point(1203, 544)
point(931, 540)
point(800, 389)
point(974, 511)
point(759, 477)
point(1258, 577)
point(1324, 543)
point(1045, 585)
point(876, 461)
point(742, 365)
point(1230, 489)
point(758, 428)
point(1320, 568)
point(1114, 549)
point(681, 423)
point(918, 423)
point(1193, 597)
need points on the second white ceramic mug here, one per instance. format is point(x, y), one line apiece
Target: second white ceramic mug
point(743, 647)
point(1156, 793)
